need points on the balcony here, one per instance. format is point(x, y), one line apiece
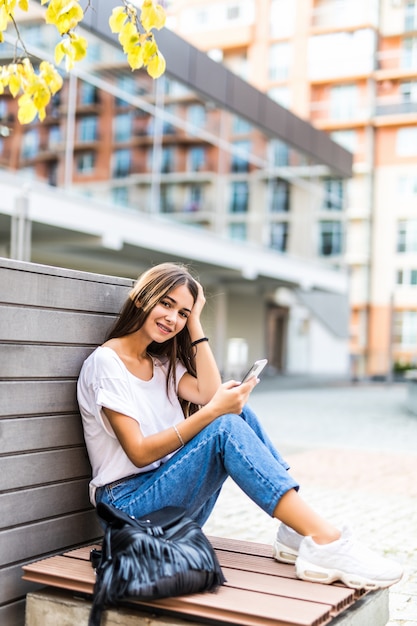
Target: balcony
point(398, 62)
point(344, 15)
point(327, 114)
point(396, 105)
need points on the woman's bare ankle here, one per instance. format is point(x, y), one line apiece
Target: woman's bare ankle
point(323, 538)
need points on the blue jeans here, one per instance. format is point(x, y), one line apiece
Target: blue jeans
point(232, 445)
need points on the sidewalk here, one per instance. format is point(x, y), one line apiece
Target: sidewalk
point(354, 451)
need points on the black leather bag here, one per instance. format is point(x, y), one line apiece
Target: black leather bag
point(162, 555)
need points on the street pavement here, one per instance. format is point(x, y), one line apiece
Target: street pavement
point(353, 448)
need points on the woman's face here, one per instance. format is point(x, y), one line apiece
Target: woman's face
point(170, 315)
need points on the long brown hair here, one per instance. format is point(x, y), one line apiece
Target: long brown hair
point(149, 289)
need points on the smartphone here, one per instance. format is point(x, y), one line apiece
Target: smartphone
point(255, 370)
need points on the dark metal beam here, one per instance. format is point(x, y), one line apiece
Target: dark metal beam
point(194, 68)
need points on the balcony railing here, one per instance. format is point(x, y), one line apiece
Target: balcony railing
point(404, 59)
point(395, 105)
point(327, 111)
point(345, 14)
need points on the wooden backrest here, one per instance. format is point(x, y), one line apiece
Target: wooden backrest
point(50, 320)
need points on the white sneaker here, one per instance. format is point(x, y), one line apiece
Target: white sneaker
point(286, 545)
point(346, 560)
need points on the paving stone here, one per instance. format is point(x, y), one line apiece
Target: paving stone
point(354, 451)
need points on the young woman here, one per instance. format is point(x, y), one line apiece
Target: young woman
point(162, 429)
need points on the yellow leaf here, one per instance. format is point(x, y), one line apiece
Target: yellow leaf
point(79, 46)
point(41, 97)
point(117, 19)
point(152, 15)
point(135, 58)
point(149, 50)
point(27, 110)
point(51, 77)
point(128, 37)
point(64, 15)
point(156, 66)
point(60, 52)
point(24, 5)
point(14, 85)
point(4, 18)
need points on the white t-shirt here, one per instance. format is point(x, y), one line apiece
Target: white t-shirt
point(105, 381)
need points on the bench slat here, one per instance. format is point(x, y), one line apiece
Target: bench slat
point(83, 292)
point(265, 592)
point(41, 361)
point(20, 543)
point(253, 565)
point(22, 434)
point(29, 505)
point(45, 326)
point(256, 606)
point(23, 470)
point(37, 397)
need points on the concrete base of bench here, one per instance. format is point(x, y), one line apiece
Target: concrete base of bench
point(51, 606)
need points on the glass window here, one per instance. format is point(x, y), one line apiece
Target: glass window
point(413, 277)
point(121, 163)
point(407, 141)
point(126, 83)
point(87, 129)
point(123, 127)
point(85, 163)
point(333, 194)
point(240, 197)
point(408, 90)
point(400, 277)
point(30, 146)
point(280, 153)
point(238, 231)
point(407, 236)
point(197, 159)
point(405, 329)
point(120, 196)
point(167, 161)
point(282, 95)
point(88, 93)
point(232, 12)
point(330, 243)
point(167, 199)
point(280, 196)
point(409, 53)
point(279, 61)
point(3, 109)
point(346, 138)
point(195, 199)
point(279, 236)
point(239, 159)
point(407, 185)
point(410, 15)
point(343, 101)
point(55, 137)
point(196, 115)
point(241, 126)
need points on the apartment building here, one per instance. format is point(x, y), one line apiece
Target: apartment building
point(254, 187)
point(349, 67)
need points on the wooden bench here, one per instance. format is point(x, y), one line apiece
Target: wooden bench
point(50, 320)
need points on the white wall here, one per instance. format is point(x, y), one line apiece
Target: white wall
point(312, 348)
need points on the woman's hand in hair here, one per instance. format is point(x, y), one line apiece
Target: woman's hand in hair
point(198, 306)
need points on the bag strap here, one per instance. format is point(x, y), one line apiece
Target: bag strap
point(163, 518)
